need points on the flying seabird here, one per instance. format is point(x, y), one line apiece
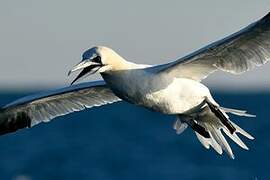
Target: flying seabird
point(174, 88)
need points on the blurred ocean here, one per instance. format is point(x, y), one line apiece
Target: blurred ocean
point(125, 142)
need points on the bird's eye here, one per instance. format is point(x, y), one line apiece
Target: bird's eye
point(97, 60)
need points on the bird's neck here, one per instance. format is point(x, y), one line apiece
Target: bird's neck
point(120, 64)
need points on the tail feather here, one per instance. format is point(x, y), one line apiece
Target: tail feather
point(221, 116)
point(212, 120)
point(243, 132)
point(236, 139)
point(217, 135)
point(237, 112)
point(207, 142)
point(214, 126)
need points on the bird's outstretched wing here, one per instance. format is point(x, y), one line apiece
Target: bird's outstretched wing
point(31, 110)
point(237, 53)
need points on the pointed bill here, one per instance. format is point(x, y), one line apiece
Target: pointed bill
point(81, 65)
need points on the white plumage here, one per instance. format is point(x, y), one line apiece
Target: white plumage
point(173, 88)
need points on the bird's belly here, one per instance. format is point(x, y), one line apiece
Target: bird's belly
point(179, 97)
point(175, 96)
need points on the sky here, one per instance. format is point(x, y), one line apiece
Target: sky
point(41, 40)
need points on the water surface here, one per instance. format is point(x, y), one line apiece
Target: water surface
point(124, 142)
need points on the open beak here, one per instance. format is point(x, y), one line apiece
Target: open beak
point(88, 67)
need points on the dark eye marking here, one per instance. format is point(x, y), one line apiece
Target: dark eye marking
point(97, 60)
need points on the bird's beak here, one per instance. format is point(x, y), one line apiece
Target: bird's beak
point(88, 67)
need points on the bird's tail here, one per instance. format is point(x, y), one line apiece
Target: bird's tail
point(214, 121)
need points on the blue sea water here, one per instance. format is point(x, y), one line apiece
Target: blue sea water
point(124, 142)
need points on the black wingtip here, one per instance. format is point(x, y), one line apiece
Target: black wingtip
point(72, 82)
point(198, 128)
point(201, 130)
point(221, 117)
point(11, 122)
point(267, 16)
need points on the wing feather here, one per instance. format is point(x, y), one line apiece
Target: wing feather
point(237, 53)
point(47, 105)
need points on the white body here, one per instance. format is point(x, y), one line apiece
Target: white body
point(169, 96)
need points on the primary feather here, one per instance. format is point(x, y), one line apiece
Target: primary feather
point(42, 107)
point(237, 53)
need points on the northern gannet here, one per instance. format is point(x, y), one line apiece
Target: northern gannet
point(172, 88)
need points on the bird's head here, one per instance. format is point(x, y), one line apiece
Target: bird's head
point(97, 59)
